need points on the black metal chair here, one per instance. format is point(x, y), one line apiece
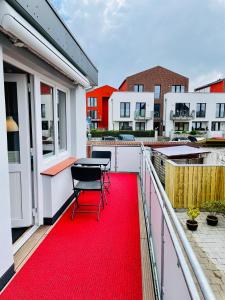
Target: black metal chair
point(89, 179)
point(106, 169)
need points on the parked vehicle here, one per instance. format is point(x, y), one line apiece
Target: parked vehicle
point(126, 137)
point(108, 138)
point(180, 139)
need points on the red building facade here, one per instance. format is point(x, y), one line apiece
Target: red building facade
point(97, 106)
point(213, 87)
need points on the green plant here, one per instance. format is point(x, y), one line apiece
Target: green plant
point(193, 213)
point(193, 132)
point(101, 133)
point(214, 207)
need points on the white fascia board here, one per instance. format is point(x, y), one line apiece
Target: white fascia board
point(12, 23)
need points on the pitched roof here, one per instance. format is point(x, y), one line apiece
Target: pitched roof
point(152, 69)
point(209, 84)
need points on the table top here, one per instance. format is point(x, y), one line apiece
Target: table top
point(93, 161)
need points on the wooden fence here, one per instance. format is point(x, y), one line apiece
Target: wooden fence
point(192, 185)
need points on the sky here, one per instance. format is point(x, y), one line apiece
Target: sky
point(124, 37)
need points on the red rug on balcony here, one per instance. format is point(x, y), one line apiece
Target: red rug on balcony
point(85, 259)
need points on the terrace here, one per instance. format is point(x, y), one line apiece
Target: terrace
point(138, 238)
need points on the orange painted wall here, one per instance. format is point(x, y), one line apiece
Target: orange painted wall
point(102, 94)
point(217, 87)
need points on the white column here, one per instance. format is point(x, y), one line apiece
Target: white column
point(6, 253)
point(78, 121)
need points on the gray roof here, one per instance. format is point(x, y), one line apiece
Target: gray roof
point(44, 18)
point(180, 151)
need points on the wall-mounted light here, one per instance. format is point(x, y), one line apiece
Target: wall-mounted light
point(11, 124)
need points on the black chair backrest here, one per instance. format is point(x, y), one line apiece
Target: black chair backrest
point(101, 154)
point(81, 173)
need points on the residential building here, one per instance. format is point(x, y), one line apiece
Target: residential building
point(194, 111)
point(131, 111)
point(42, 120)
point(97, 106)
point(217, 86)
point(160, 81)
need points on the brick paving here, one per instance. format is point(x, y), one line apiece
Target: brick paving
point(208, 243)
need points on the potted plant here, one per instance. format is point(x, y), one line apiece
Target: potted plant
point(192, 213)
point(214, 207)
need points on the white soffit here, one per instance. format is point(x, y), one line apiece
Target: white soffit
point(15, 25)
point(180, 151)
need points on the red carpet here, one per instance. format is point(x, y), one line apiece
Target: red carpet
point(85, 259)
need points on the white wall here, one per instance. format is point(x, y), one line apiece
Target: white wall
point(132, 97)
point(170, 99)
point(6, 254)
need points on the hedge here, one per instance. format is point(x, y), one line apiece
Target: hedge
point(101, 133)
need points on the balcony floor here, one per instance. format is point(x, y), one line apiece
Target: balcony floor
point(86, 259)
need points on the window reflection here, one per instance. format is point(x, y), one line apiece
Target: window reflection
point(62, 130)
point(47, 112)
point(12, 122)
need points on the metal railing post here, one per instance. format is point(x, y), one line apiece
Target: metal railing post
point(162, 258)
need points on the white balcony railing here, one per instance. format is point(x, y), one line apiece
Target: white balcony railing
point(182, 115)
point(176, 270)
point(143, 115)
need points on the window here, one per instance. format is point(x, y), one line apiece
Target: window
point(177, 89)
point(157, 91)
point(139, 88)
point(199, 126)
point(220, 110)
point(182, 109)
point(93, 125)
point(125, 109)
point(92, 102)
point(92, 114)
point(48, 132)
point(201, 109)
point(156, 110)
point(43, 113)
point(124, 126)
point(216, 126)
point(140, 126)
point(62, 128)
point(181, 126)
point(140, 109)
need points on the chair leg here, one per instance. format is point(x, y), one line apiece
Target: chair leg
point(102, 200)
point(99, 206)
point(105, 196)
point(74, 207)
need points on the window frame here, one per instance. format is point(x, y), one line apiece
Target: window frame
point(199, 113)
point(140, 109)
point(92, 101)
point(125, 109)
point(175, 87)
point(56, 86)
point(187, 123)
point(157, 93)
point(138, 85)
point(155, 111)
point(139, 123)
point(216, 123)
point(184, 103)
point(219, 116)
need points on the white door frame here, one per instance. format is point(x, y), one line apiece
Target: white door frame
point(22, 168)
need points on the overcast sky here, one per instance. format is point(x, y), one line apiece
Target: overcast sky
point(123, 37)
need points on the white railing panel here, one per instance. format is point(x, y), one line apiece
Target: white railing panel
point(175, 286)
point(128, 165)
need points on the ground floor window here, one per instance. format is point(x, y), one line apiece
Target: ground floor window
point(181, 126)
point(199, 126)
point(216, 126)
point(140, 126)
point(124, 126)
point(93, 125)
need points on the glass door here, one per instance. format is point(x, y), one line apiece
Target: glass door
point(18, 135)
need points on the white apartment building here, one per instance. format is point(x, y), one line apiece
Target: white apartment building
point(194, 111)
point(131, 111)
